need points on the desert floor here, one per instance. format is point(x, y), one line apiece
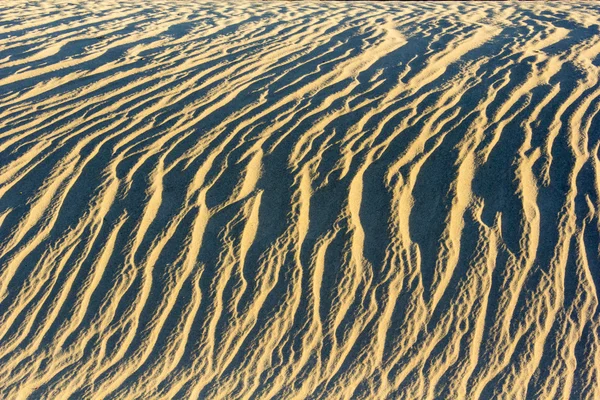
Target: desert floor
point(292, 200)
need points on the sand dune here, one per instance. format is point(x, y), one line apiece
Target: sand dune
point(299, 200)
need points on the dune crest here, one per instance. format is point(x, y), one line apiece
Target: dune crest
point(299, 200)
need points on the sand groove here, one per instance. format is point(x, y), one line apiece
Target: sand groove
point(299, 200)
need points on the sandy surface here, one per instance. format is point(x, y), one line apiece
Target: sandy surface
point(299, 200)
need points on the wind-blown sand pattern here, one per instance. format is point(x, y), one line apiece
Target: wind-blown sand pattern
point(299, 200)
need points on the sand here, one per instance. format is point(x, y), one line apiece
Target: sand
point(292, 200)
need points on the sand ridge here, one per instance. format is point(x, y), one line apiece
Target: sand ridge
point(296, 200)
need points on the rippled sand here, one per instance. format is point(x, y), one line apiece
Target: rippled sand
point(299, 200)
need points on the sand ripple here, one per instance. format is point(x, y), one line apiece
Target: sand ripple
point(299, 200)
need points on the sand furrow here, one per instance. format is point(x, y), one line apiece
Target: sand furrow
point(299, 200)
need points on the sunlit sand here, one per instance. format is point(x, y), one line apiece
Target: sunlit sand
point(299, 200)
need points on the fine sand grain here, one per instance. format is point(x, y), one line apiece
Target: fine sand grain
point(295, 200)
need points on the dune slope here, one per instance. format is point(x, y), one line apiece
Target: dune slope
point(299, 200)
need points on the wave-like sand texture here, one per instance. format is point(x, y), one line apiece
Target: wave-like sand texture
point(299, 200)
